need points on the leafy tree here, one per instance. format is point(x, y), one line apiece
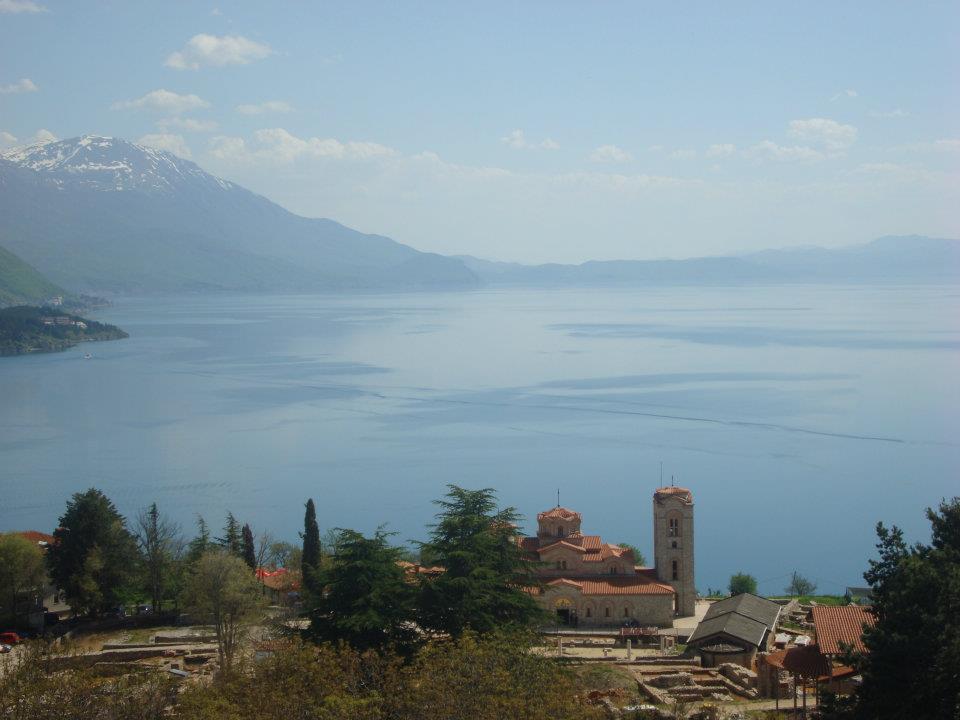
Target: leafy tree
point(484, 582)
point(249, 552)
point(638, 557)
point(160, 548)
point(367, 599)
point(283, 554)
point(22, 572)
point(232, 539)
point(222, 588)
point(800, 586)
point(911, 667)
point(742, 583)
point(310, 560)
point(94, 557)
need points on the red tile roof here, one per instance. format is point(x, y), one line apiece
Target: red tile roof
point(613, 586)
point(37, 537)
point(836, 625)
point(280, 579)
point(805, 661)
point(561, 543)
point(561, 513)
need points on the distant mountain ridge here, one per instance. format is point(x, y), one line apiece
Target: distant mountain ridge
point(106, 215)
point(905, 259)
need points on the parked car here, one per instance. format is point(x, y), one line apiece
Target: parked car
point(10, 638)
point(5, 649)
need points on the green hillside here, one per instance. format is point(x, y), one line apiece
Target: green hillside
point(26, 329)
point(20, 283)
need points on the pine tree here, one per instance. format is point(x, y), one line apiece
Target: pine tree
point(249, 552)
point(310, 561)
point(484, 583)
point(201, 543)
point(232, 539)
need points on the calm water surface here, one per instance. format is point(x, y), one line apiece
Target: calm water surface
point(799, 416)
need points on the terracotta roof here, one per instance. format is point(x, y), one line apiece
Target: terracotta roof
point(805, 661)
point(37, 537)
point(607, 551)
point(613, 586)
point(558, 544)
point(836, 625)
point(560, 513)
point(673, 491)
point(591, 542)
point(280, 579)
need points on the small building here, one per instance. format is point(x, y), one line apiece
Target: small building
point(735, 629)
point(281, 585)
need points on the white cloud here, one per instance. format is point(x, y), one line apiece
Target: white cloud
point(518, 140)
point(188, 124)
point(165, 141)
point(271, 106)
point(20, 6)
point(721, 150)
point(844, 93)
point(895, 113)
point(947, 144)
point(279, 145)
point(610, 154)
point(7, 140)
point(683, 154)
point(218, 51)
point(24, 85)
point(769, 150)
point(830, 134)
point(162, 101)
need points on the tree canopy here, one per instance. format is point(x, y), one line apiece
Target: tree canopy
point(22, 571)
point(741, 582)
point(912, 667)
point(94, 558)
point(367, 599)
point(799, 585)
point(310, 559)
point(485, 575)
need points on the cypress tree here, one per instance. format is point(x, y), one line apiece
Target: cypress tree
point(231, 539)
point(249, 553)
point(310, 562)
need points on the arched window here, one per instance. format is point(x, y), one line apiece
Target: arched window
point(563, 563)
point(674, 545)
point(674, 570)
point(606, 612)
point(626, 612)
point(559, 531)
point(673, 527)
point(589, 612)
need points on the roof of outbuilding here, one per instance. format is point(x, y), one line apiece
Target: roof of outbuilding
point(751, 606)
point(732, 625)
point(744, 617)
point(837, 626)
point(631, 585)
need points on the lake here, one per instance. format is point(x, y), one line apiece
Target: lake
point(799, 416)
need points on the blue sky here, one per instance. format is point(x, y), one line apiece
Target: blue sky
point(536, 131)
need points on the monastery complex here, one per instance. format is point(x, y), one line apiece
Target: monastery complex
point(591, 583)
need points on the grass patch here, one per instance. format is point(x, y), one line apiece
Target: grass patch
point(595, 676)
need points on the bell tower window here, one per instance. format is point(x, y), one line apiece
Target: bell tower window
point(673, 529)
point(674, 570)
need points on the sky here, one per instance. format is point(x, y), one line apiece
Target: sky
point(530, 132)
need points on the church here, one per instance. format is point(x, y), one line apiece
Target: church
point(589, 583)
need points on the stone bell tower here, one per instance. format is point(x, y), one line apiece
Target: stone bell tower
point(673, 544)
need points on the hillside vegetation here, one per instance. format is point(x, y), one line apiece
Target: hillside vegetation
point(27, 329)
point(21, 283)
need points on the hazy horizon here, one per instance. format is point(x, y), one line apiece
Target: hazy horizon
point(542, 133)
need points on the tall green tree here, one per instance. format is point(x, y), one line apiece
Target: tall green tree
point(310, 559)
point(912, 665)
point(232, 539)
point(94, 558)
point(249, 550)
point(485, 579)
point(368, 601)
point(161, 549)
point(22, 572)
point(742, 582)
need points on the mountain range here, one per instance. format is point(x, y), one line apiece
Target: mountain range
point(103, 215)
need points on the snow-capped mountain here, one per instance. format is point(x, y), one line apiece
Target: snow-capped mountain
point(103, 214)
